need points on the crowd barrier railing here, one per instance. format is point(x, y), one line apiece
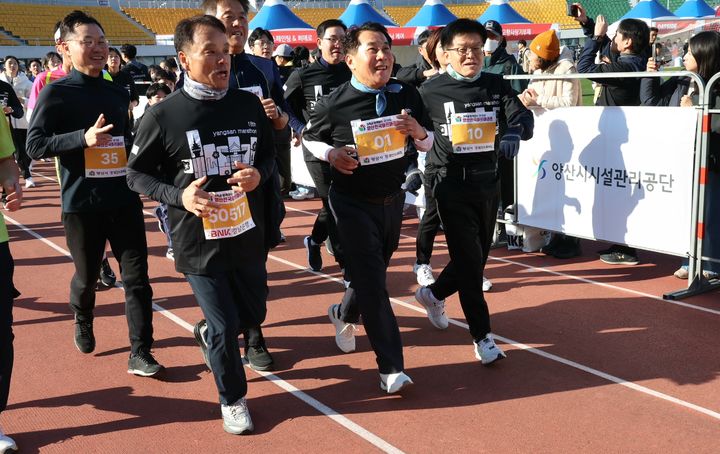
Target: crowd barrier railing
point(697, 283)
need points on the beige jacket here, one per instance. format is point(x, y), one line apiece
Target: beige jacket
point(557, 93)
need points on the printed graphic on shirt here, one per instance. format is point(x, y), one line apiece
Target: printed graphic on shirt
point(377, 140)
point(106, 161)
point(232, 218)
point(217, 157)
point(255, 89)
point(473, 132)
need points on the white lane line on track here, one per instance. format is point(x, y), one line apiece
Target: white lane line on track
point(568, 276)
point(516, 344)
point(279, 382)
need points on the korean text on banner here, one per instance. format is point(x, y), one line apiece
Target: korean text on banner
point(618, 174)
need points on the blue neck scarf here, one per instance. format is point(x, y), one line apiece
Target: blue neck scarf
point(457, 76)
point(380, 99)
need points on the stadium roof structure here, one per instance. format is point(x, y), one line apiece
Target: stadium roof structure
point(501, 11)
point(695, 9)
point(432, 13)
point(274, 15)
point(359, 11)
point(648, 9)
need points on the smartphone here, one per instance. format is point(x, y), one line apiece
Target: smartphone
point(573, 10)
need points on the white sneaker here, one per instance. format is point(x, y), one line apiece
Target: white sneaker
point(301, 194)
point(344, 332)
point(486, 285)
point(236, 418)
point(29, 183)
point(435, 308)
point(424, 274)
point(393, 383)
point(7, 444)
point(487, 352)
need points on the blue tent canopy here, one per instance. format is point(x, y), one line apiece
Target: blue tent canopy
point(501, 11)
point(274, 15)
point(359, 11)
point(432, 14)
point(695, 9)
point(648, 9)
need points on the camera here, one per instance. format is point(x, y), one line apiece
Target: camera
point(573, 10)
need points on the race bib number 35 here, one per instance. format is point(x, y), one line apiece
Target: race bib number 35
point(106, 161)
point(473, 132)
point(377, 140)
point(232, 218)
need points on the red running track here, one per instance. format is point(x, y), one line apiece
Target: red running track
point(597, 362)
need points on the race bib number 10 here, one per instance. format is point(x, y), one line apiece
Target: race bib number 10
point(473, 132)
point(377, 140)
point(106, 161)
point(232, 218)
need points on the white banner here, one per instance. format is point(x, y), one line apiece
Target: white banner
point(619, 174)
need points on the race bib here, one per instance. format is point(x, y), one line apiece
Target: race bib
point(377, 140)
point(232, 218)
point(106, 161)
point(472, 132)
point(255, 89)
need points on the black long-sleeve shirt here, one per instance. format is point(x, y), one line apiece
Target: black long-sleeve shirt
point(65, 110)
point(10, 99)
point(183, 139)
point(444, 96)
point(331, 123)
point(306, 85)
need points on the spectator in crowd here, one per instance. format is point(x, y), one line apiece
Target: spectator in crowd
point(435, 51)
point(261, 43)
point(544, 58)
point(301, 56)
point(627, 49)
point(418, 73)
point(166, 77)
point(122, 78)
point(10, 185)
point(156, 92)
point(703, 59)
point(283, 56)
point(138, 71)
point(170, 65)
point(22, 87)
point(52, 61)
point(523, 56)
point(34, 68)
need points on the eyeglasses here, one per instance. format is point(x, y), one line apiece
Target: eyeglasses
point(102, 42)
point(464, 51)
point(333, 40)
point(262, 43)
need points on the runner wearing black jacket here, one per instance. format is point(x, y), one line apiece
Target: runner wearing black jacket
point(83, 120)
point(302, 90)
point(477, 116)
point(372, 113)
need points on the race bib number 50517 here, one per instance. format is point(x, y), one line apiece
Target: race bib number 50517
point(232, 218)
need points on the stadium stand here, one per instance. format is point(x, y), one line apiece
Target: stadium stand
point(401, 14)
point(314, 16)
point(33, 23)
point(161, 21)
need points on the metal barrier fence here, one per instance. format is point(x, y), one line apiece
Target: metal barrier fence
point(697, 283)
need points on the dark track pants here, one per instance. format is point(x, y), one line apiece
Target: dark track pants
point(324, 226)
point(428, 227)
point(7, 293)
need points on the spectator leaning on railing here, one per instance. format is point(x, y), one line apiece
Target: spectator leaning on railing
point(702, 58)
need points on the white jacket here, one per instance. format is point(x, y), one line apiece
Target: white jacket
point(558, 93)
point(22, 86)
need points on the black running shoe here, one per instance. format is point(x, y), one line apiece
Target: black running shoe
point(143, 364)
point(84, 337)
point(313, 253)
point(200, 332)
point(259, 358)
point(107, 277)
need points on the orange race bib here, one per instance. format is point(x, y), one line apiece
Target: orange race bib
point(106, 161)
point(231, 219)
point(377, 140)
point(472, 132)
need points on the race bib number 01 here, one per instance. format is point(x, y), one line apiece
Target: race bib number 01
point(472, 132)
point(232, 218)
point(106, 161)
point(377, 140)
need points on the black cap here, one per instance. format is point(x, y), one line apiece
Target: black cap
point(494, 27)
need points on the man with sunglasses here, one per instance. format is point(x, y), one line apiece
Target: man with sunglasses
point(477, 118)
